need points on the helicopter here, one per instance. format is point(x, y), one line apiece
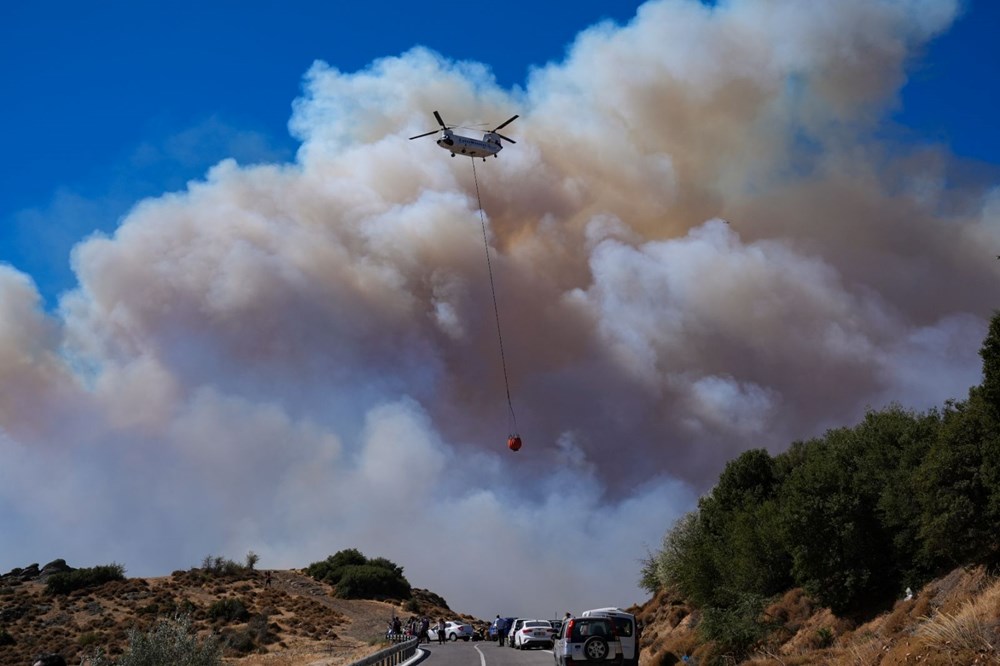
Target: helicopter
point(465, 145)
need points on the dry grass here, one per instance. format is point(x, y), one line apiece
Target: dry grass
point(866, 652)
point(963, 629)
point(972, 627)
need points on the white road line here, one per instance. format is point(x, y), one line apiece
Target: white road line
point(482, 657)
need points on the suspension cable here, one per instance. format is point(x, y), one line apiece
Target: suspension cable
point(511, 419)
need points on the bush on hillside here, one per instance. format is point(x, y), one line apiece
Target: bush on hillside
point(367, 581)
point(169, 642)
point(229, 610)
point(226, 568)
point(736, 629)
point(68, 581)
point(357, 577)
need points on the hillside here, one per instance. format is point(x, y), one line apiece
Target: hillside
point(954, 620)
point(296, 621)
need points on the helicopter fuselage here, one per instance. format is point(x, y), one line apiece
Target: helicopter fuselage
point(457, 144)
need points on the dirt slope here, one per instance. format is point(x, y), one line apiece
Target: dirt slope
point(294, 622)
point(952, 621)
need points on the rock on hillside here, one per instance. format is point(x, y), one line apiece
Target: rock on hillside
point(953, 620)
point(296, 617)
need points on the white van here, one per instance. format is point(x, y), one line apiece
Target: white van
point(625, 628)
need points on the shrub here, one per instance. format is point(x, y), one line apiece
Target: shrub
point(230, 610)
point(220, 566)
point(330, 569)
point(370, 582)
point(824, 637)
point(169, 642)
point(357, 577)
point(68, 581)
point(259, 629)
point(6, 638)
point(252, 560)
point(240, 642)
point(735, 629)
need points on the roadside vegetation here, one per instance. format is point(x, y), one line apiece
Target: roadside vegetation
point(853, 517)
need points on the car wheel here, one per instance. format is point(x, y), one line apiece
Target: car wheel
point(453, 636)
point(595, 648)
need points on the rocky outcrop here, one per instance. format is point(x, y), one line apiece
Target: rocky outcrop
point(34, 572)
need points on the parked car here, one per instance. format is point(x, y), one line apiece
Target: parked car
point(513, 630)
point(452, 631)
point(533, 633)
point(502, 625)
point(458, 630)
point(625, 629)
point(590, 639)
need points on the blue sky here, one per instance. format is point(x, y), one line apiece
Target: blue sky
point(110, 102)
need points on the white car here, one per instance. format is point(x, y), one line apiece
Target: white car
point(625, 631)
point(533, 633)
point(453, 631)
point(588, 639)
point(515, 625)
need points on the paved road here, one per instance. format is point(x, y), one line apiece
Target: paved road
point(483, 654)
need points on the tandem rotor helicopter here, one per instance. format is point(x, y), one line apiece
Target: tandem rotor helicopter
point(465, 145)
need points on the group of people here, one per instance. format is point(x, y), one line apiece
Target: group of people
point(419, 627)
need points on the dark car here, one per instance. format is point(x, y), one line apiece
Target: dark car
point(504, 626)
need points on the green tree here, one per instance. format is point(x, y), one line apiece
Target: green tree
point(332, 568)
point(990, 353)
point(366, 581)
point(831, 527)
point(742, 524)
point(685, 561)
point(956, 486)
point(357, 577)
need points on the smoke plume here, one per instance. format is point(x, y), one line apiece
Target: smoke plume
point(700, 246)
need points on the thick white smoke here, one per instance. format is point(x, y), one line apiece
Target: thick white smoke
point(699, 248)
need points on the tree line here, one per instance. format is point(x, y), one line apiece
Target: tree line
point(854, 516)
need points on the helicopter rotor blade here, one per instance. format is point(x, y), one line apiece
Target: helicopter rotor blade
point(505, 123)
point(424, 134)
point(503, 137)
point(440, 122)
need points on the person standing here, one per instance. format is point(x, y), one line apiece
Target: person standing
point(440, 631)
point(425, 625)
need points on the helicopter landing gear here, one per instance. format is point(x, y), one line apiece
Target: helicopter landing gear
point(453, 154)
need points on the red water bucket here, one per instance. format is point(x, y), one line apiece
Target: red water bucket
point(514, 443)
